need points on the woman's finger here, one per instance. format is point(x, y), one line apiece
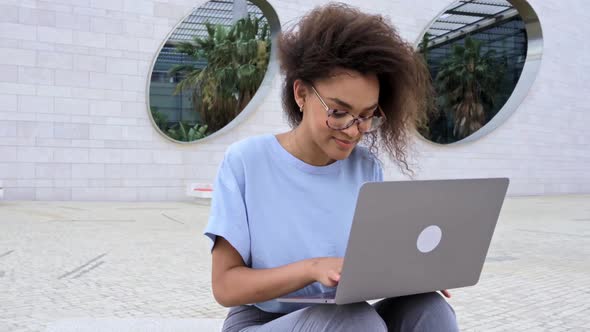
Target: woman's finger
point(334, 276)
point(446, 293)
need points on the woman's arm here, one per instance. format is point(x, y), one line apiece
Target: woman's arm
point(235, 284)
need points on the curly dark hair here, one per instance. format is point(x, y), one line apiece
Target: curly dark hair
point(338, 36)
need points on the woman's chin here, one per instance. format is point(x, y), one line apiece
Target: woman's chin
point(339, 153)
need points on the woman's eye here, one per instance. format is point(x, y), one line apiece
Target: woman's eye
point(367, 115)
point(339, 114)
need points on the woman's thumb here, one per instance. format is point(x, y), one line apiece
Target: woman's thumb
point(334, 275)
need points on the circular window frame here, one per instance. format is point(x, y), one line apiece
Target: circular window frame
point(529, 73)
point(265, 86)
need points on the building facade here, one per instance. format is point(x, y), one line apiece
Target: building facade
point(75, 121)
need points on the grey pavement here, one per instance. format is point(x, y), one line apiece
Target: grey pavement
point(149, 262)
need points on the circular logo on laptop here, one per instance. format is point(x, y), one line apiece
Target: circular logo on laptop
point(429, 239)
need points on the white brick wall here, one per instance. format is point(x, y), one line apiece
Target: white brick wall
point(74, 124)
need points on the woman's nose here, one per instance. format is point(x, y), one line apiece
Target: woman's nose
point(352, 131)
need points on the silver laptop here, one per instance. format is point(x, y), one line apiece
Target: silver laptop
point(414, 237)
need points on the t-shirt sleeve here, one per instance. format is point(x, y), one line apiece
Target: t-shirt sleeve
point(228, 217)
point(377, 171)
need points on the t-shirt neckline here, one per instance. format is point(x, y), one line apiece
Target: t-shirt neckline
point(281, 153)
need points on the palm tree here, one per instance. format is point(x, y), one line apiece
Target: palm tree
point(467, 85)
point(236, 61)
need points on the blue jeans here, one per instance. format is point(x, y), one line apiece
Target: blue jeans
point(421, 312)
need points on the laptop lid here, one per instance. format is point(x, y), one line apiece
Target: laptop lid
point(411, 237)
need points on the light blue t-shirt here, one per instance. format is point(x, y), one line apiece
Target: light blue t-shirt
point(275, 209)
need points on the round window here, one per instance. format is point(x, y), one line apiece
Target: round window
point(483, 57)
point(209, 69)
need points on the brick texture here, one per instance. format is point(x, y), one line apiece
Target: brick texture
point(73, 94)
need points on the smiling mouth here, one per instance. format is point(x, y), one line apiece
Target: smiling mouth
point(344, 143)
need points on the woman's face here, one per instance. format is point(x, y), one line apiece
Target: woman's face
point(345, 90)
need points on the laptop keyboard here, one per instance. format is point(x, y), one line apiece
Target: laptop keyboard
point(326, 295)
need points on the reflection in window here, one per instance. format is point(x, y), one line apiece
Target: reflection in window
point(209, 69)
point(475, 51)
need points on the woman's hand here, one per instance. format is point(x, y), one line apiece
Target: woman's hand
point(326, 270)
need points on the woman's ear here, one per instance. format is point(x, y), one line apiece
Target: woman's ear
point(300, 93)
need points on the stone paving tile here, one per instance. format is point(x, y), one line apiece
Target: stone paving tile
point(148, 260)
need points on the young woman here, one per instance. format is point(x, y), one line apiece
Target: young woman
point(282, 205)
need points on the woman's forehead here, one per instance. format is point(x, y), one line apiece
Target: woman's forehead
point(351, 87)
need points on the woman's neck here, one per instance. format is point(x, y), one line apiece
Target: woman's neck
point(302, 147)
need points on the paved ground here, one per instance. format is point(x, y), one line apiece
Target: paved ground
point(148, 260)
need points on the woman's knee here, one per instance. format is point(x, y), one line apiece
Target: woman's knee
point(436, 303)
point(349, 317)
point(421, 312)
point(436, 313)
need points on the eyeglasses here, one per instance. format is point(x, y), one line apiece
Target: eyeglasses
point(340, 120)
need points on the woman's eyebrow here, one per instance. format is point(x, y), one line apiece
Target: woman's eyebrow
point(347, 105)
